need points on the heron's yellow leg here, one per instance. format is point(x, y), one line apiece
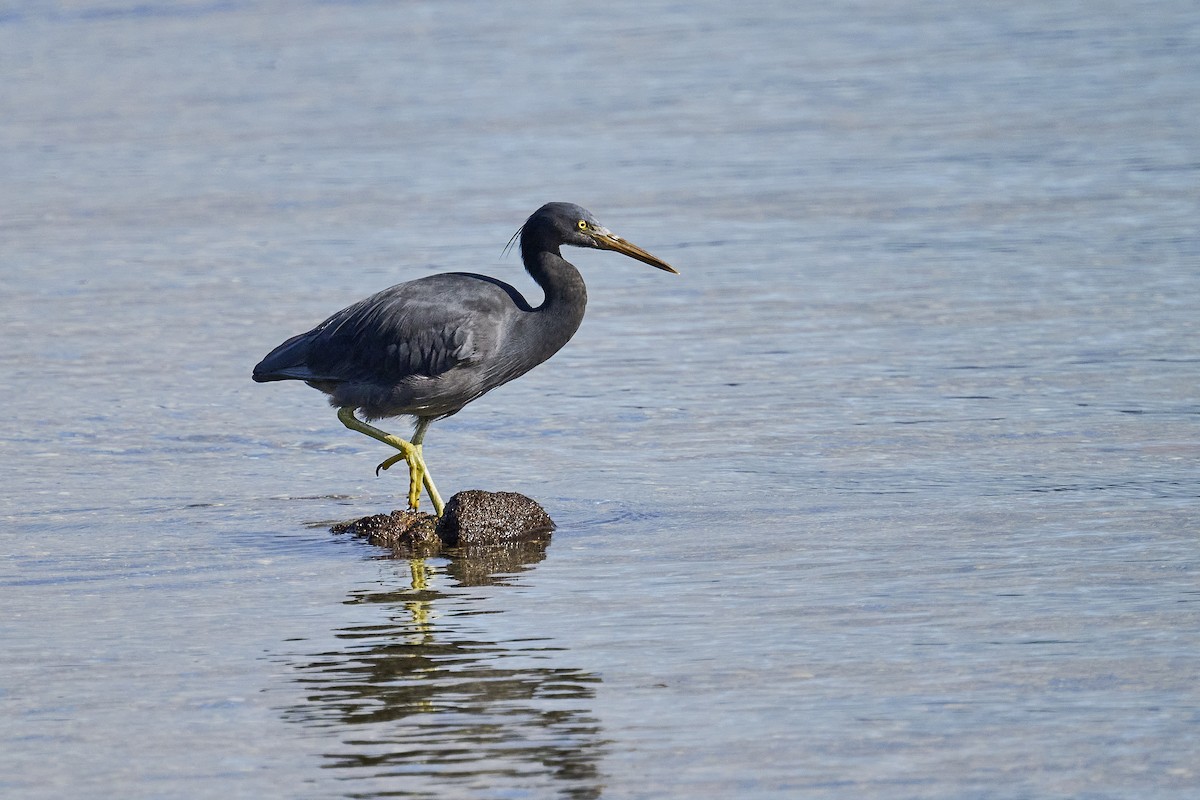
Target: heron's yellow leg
point(423, 470)
point(410, 453)
point(417, 440)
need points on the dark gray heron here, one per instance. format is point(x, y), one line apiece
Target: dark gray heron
point(428, 347)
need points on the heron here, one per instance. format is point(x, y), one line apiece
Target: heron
point(427, 347)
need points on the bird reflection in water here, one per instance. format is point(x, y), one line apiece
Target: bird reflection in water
point(423, 707)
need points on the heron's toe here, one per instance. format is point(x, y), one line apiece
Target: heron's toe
point(391, 462)
point(416, 477)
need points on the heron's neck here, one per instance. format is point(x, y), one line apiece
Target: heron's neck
point(560, 281)
point(560, 314)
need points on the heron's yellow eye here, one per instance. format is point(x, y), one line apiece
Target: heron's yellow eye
point(582, 225)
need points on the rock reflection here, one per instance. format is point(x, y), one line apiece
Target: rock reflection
point(424, 708)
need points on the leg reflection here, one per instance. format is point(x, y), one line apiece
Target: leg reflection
point(421, 700)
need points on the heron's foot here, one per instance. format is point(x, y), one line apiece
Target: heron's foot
point(411, 455)
point(418, 474)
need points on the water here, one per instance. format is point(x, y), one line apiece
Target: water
point(892, 493)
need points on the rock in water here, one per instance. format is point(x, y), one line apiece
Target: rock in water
point(473, 518)
point(476, 517)
point(411, 532)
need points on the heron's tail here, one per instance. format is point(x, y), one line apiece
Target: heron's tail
point(286, 362)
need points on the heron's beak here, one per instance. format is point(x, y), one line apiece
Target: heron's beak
point(607, 240)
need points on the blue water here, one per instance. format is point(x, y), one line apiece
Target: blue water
point(893, 492)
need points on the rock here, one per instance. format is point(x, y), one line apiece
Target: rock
point(471, 519)
point(410, 532)
point(475, 517)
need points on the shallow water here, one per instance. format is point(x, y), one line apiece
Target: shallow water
point(892, 493)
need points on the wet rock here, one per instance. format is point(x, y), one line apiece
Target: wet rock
point(476, 517)
point(471, 519)
point(411, 532)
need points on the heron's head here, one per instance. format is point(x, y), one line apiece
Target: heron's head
point(567, 223)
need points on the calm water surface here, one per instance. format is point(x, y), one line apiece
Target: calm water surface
point(892, 493)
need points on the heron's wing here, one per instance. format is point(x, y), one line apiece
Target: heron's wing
point(388, 337)
point(421, 328)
